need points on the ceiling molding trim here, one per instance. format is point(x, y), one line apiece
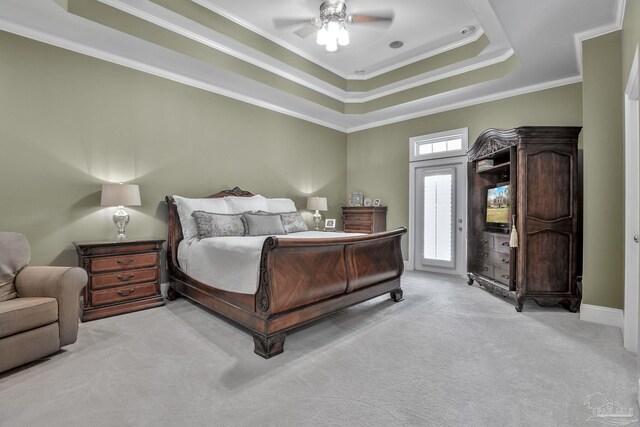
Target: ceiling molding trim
point(470, 102)
point(202, 34)
point(199, 33)
point(616, 25)
point(418, 58)
point(451, 73)
point(249, 26)
point(78, 47)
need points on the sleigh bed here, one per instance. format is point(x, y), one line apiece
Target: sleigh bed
point(299, 279)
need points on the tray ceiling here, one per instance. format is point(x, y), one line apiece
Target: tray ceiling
point(233, 48)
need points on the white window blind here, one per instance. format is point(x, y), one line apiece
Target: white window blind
point(438, 220)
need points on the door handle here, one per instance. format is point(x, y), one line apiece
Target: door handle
point(635, 238)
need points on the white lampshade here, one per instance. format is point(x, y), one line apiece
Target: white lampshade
point(317, 203)
point(120, 195)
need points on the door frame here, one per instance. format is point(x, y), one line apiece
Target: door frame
point(461, 199)
point(632, 213)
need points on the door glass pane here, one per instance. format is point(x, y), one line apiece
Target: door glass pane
point(438, 221)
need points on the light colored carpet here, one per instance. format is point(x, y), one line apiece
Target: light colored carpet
point(449, 354)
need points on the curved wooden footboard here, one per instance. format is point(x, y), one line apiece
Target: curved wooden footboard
point(298, 272)
point(300, 280)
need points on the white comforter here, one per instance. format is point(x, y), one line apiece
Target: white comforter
point(233, 263)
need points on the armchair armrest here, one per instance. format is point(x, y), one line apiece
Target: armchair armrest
point(61, 283)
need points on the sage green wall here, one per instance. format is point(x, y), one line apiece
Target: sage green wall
point(603, 142)
point(69, 123)
point(378, 159)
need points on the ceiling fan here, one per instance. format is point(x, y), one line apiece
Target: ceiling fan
point(331, 25)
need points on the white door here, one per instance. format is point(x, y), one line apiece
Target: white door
point(440, 212)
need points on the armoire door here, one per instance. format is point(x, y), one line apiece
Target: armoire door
point(547, 219)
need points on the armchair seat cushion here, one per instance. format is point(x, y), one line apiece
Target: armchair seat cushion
point(22, 314)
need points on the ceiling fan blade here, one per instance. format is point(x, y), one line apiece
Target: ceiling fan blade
point(288, 22)
point(381, 17)
point(306, 30)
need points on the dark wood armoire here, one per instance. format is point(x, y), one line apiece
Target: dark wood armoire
point(538, 167)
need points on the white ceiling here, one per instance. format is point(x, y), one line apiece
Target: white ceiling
point(544, 35)
point(422, 25)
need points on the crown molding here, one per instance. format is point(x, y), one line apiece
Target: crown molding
point(468, 103)
point(418, 58)
point(199, 33)
point(253, 28)
point(249, 26)
point(430, 79)
point(582, 36)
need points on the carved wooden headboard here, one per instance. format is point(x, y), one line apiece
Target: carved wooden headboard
point(174, 226)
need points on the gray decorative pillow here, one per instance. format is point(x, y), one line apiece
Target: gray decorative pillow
point(263, 224)
point(293, 222)
point(218, 225)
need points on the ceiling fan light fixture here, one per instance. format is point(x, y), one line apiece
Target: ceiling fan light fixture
point(332, 45)
point(322, 36)
point(343, 37)
point(333, 29)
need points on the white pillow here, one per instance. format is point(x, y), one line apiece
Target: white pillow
point(281, 205)
point(243, 204)
point(187, 206)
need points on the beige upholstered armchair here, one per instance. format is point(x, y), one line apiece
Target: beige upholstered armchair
point(38, 305)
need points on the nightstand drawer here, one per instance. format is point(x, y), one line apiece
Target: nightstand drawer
point(124, 262)
point(357, 227)
point(129, 277)
point(356, 218)
point(123, 293)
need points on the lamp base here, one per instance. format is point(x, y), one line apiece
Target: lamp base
point(317, 217)
point(121, 219)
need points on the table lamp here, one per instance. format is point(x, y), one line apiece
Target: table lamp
point(317, 204)
point(120, 195)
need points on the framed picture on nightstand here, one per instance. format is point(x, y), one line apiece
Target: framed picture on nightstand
point(329, 224)
point(357, 198)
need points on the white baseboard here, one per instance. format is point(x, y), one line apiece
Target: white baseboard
point(602, 315)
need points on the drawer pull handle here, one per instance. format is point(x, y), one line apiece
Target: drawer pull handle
point(125, 261)
point(484, 240)
point(485, 269)
point(124, 293)
point(506, 261)
point(505, 243)
point(505, 276)
point(126, 278)
point(485, 254)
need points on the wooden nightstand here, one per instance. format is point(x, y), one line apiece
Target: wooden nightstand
point(124, 276)
point(369, 219)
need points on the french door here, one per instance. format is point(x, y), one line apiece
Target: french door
point(440, 212)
